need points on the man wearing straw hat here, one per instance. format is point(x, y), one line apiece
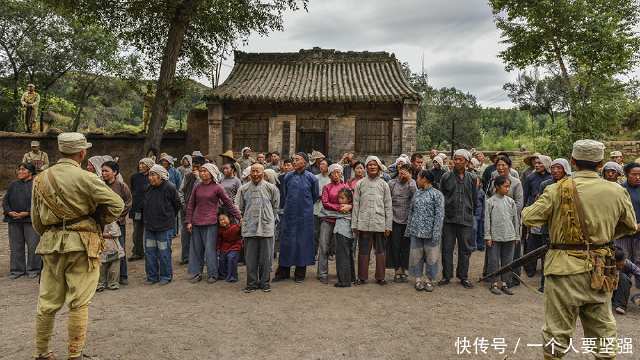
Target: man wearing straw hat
point(69, 206)
point(227, 158)
point(37, 157)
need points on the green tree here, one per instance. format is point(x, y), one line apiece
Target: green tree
point(41, 47)
point(180, 35)
point(538, 95)
point(451, 118)
point(587, 43)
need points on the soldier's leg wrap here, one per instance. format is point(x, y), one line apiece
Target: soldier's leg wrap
point(81, 286)
point(77, 328)
point(44, 330)
point(51, 298)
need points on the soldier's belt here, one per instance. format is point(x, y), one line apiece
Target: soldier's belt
point(70, 222)
point(580, 247)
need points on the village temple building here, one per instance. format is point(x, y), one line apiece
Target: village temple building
point(316, 99)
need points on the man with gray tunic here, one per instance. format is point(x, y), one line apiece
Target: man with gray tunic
point(460, 194)
point(258, 201)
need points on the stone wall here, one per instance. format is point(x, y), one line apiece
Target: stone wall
point(127, 147)
point(630, 149)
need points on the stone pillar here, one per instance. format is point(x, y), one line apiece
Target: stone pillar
point(409, 126)
point(227, 133)
point(342, 136)
point(214, 119)
point(277, 136)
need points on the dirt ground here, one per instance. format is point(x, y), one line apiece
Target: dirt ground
point(306, 321)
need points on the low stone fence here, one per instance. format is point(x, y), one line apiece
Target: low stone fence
point(128, 147)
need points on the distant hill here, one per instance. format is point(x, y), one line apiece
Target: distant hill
point(114, 105)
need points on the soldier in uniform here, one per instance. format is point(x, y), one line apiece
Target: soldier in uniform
point(30, 101)
point(585, 214)
point(37, 157)
point(69, 204)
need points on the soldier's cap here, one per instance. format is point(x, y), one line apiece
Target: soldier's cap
point(615, 153)
point(35, 143)
point(72, 143)
point(588, 150)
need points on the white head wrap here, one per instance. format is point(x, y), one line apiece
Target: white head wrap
point(371, 158)
point(246, 172)
point(147, 161)
point(612, 165)
point(170, 159)
point(161, 171)
point(213, 170)
point(335, 166)
point(562, 162)
point(97, 162)
point(546, 161)
point(464, 153)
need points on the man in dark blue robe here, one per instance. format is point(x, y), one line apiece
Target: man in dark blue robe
point(300, 192)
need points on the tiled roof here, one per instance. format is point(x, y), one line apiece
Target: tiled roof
point(317, 75)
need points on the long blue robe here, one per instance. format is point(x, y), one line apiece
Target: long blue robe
point(296, 237)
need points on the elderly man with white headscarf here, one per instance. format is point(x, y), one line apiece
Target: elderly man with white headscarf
point(161, 204)
point(258, 201)
point(460, 193)
point(372, 219)
point(202, 223)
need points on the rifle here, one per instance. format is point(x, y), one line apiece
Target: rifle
point(530, 256)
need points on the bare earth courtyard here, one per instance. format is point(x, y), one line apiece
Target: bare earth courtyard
point(307, 321)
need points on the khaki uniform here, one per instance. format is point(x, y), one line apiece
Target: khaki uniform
point(39, 160)
point(30, 102)
point(568, 294)
point(69, 248)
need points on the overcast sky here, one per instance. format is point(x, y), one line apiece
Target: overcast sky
point(458, 38)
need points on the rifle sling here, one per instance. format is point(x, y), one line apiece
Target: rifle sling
point(581, 217)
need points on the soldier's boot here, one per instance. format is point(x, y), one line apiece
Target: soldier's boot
point(44, 330)
point(77, 328)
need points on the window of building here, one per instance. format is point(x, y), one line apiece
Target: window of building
point(374, 136)
point(251, 132)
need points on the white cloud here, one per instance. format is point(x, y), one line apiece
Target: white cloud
point(458, 38)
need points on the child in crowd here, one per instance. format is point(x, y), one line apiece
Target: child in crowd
point(424, 227)
point(344, 238)
point(344, 242)
point(502, 232)
point(110, 258)
point(229, 247)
